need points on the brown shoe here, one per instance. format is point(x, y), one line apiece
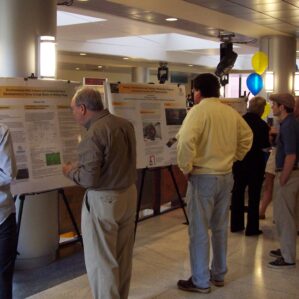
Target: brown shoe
point(189, 286)
point(217, 283)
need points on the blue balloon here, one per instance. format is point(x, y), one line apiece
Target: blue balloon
point(254, 83)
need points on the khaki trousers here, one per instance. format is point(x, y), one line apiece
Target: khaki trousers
point(286, 201)
point(108, 219)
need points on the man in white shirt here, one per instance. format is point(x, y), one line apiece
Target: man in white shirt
point(8, 229)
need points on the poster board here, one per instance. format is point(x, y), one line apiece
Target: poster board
point(156, 112)
point(239, 104)
point(43, 131)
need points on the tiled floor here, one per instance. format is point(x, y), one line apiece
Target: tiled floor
point(161, 258)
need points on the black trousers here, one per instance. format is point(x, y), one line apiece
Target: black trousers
point(8, 249)
point(254, 181)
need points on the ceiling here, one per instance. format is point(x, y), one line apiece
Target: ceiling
point(137, 29)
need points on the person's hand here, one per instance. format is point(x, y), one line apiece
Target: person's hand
point(66, 168)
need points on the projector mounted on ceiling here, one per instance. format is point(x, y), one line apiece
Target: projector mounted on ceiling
point(227, 58)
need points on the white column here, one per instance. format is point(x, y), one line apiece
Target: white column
point(281, 51)
point(39, 234)
point(140, 74)
point(21, 23)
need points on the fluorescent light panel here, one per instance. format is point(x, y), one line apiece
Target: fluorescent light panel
point(47, 57)
point(269, 81)
point(67, 18)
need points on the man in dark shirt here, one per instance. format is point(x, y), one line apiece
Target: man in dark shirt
point(250, 172)
point(286, 192)
point(107, 169)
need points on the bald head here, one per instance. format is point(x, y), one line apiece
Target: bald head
point(257, 105)
point(89, 97)
point(86, 103)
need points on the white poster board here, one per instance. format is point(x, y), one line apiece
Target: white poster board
point(157, 112)
point(43, 131)
point(239, 104)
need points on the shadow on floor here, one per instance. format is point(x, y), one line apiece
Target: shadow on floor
point(68, 265)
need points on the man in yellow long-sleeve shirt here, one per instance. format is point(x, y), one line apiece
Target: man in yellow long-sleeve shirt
point(212, 137)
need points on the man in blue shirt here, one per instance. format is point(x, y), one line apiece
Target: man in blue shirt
point(8, 229)
point(286, 192)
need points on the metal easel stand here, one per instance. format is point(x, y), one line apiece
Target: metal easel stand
point(79, 236)
point(157, 210)
point(65, 200)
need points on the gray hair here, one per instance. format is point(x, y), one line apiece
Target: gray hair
point(89, 97)
point(257, 105)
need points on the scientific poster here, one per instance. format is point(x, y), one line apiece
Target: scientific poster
point(43, 131)
point(239, 104)
point(157, 112)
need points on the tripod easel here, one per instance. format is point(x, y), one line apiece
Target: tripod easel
point(157, 207)
point(22, 198)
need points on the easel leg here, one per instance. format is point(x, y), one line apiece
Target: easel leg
point(20, 213)
point(157, 192)
point(178, 193)
point(139, 199)
point(61, 192)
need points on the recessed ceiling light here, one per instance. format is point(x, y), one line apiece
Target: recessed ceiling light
point(297, 51)
point(77, 68)
point(190, 64)
point(82, 54)
point(171, 19)
point(82, 0)
point(125, 58)
point(100, 66)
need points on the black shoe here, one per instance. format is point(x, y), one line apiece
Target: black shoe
point(275, 253)
point(253, 233)
point(189, 286)
point(280, 263)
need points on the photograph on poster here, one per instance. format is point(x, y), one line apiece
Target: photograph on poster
point(151, 130)
point(175, 116)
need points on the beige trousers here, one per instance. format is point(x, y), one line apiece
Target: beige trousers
point(286, 201)
point(108, 219)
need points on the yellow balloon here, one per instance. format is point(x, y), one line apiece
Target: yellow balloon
point(266, 111)
point(259, 62)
